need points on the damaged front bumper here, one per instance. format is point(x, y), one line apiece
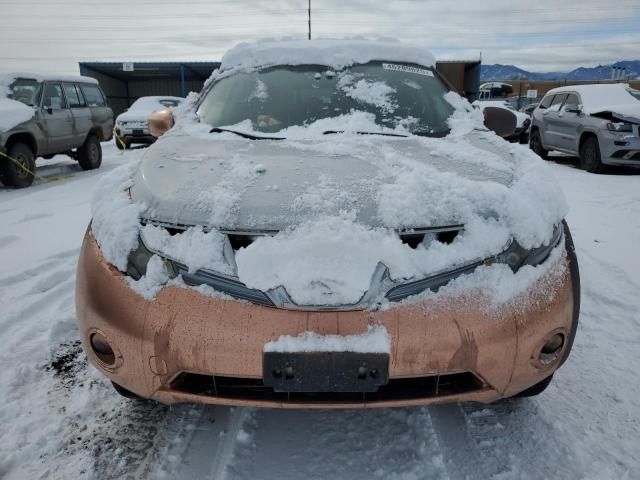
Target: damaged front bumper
point(185, 346)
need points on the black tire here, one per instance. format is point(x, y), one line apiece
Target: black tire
point(590, 159)
point(125, 393)
point(535, 144)
point(89, 155)
point(536, 389)
point(122, 144)
point(524, 138)
point(13, 175)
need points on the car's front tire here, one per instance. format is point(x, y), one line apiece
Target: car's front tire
point(22, 173)
point(590, 159)
point(535, 144)
point(90, 153)
point(122, 144)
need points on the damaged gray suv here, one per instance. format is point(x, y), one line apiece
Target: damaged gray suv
point(598, 123)
point(46, 116)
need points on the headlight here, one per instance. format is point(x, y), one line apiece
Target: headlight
point(619, 127)
point(515, 256)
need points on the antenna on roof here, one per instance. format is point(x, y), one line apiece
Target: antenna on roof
point(309, 19)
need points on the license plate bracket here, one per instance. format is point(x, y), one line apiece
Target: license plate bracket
point(314, 372)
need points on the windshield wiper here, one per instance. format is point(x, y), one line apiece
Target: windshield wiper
point(243, 134)
point(333, 132)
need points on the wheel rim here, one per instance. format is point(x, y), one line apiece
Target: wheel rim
point(20, 171)
point(589, 154)
point(93, 153)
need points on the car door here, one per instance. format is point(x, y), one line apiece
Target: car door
point(81, 114)
point(551, 122)
point(569, 123)
point(57, 120)
point(101, 114)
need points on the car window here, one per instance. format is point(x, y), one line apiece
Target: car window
point(27, 91)
point(83, 103)
point(557, 102)
point(546, 101)
point(72, 96)
point(572, 102)
point(53, 97)
point(93, 96)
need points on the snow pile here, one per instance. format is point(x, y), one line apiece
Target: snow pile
point(375, 340)
point(195, 248)
point(330, 52)
point(116, 220)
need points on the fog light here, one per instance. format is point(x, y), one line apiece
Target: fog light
point(102, 349)
point(551, 349)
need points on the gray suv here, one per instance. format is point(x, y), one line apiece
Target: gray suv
point(598, 123)
point(70, 116)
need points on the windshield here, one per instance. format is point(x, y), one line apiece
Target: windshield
point(26, 91)
point(399, 96)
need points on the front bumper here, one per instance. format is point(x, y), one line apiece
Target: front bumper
point(620, 149)
point(131, 136)
point(166, 349)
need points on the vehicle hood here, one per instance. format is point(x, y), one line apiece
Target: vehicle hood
point(134, 116)
point(628, 112)
point(13, 113)
point(229, 182)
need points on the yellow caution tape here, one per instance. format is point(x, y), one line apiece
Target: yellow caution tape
point(35, 175)
point(120, 141)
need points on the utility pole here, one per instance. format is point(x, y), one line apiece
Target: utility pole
point(309, 19)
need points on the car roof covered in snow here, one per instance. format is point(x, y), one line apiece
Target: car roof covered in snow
point(8, 78)
point(601, 97)
point(330, 52)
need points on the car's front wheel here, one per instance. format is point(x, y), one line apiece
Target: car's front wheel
point(590, 159)
point(18, 170)
point(90, 153)
point(535, 144)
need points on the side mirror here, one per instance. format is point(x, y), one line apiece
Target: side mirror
point(500, 120)
point(160, 122)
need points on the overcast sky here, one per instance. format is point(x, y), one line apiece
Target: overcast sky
point(541, 35)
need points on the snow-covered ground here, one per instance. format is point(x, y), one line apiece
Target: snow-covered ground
point(61, 419)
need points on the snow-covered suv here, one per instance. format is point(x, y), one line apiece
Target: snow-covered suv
point(41, 116)
point(327, 225)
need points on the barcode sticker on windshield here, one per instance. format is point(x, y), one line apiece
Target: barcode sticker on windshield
point(407, 68)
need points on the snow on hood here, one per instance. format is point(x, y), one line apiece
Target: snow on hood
point(330, 52)
point(12, 112)
point(336, 201)
point(143, 107)
point(614, 98)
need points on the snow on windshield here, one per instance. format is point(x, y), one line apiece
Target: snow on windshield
point(366, 91)
point(498, 191)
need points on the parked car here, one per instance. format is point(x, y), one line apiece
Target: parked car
point(521, 133)
point(491, 90)
point(48, 115)
point(132, 125)
point(598, 123)
point(327, 226)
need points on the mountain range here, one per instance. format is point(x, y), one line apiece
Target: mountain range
point(601, 72)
